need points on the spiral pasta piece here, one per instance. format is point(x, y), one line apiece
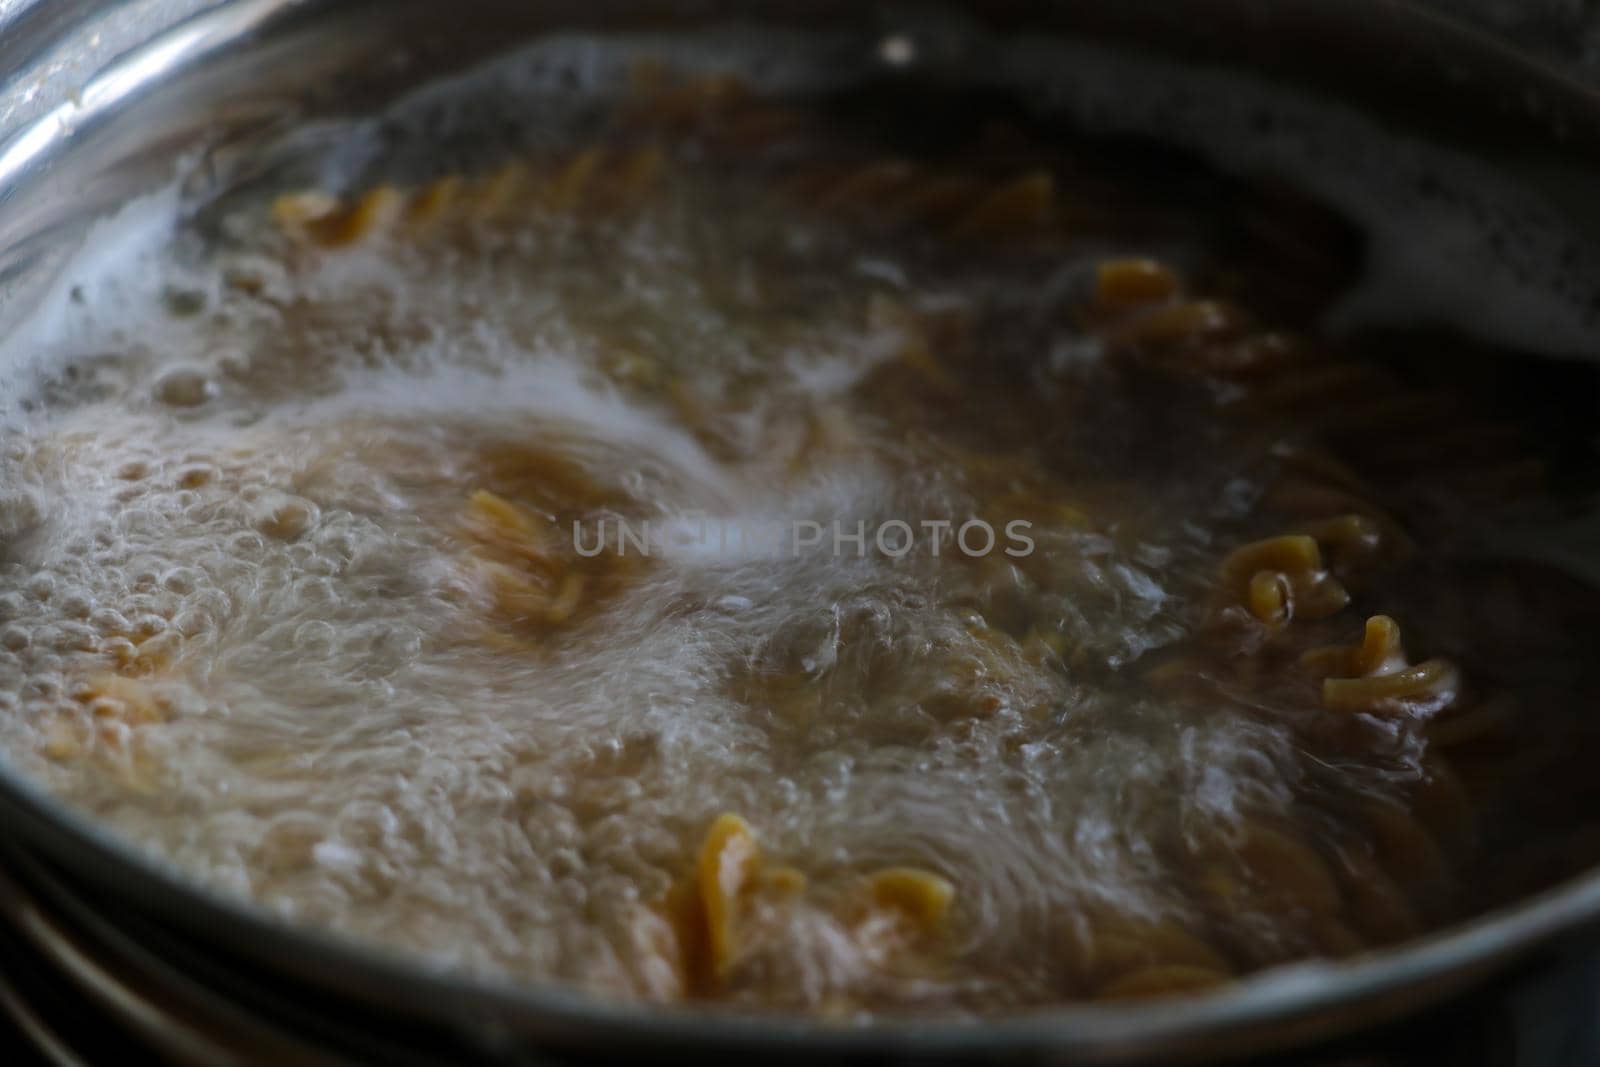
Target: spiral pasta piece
point(1374, 677)
point(531, 575)
point(705, 910)
point(325, 221)
point(894, 193)
point(923, 897)
point(1374, 902)
point(606, 180)
point(1379, 651)
point(728, 861)
point(1020, 206)
point(508, 528)
point(711, 911)
point(1358, 543)
point(1121, 284)
point(1105, 949)
point(1407, 850)
point(865, 187)
point(1281, 578)
point(1275, 866)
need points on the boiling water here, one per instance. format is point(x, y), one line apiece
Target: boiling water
point(245, 482)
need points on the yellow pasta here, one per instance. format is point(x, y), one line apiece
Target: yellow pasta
point(728, 861)
point(1020, 206)
point(1123, 283)
point(501, 195)
point(634, 176)
point(505, 526)
point(1406, 850)
point(1285, 869)
point(1358, 543)
point(343, 225)
point(516, 191)
point(1423, 688)
point(1374, 903)
point(434, 201)
point(1378, 652)
point(1282, 578)
point(921, 896)
point(867, 186)
point(1117, 946)
point(569, 184)
point(1374, 676)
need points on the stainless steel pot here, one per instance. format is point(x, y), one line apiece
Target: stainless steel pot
point(96, 99)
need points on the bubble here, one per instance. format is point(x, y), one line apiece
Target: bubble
point(121, 651)
point(76, 603)
point(337, 544)
point(214, 601)
point(109, 621)
point(316, 638)
point(181, 580)
point(573, 894)
point(43, 688)
point(285, 517)
point(72, 637)
point(316, 592)
point(196, 475)
point(564, 863)
point(20, 513)
point(246, 544)
point(311, 560)
point(191, 622)
point(147, 625)
point(185, 387)
point(142, 522)
point(145, 576)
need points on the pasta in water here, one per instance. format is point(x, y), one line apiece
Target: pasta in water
point(739, 556)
